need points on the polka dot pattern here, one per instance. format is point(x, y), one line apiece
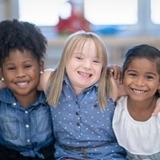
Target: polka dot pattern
point(78, 121)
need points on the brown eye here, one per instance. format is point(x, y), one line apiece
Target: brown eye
point(96, 61)
point(149, 77)
point(10, 68)
point(27, 66)
point(80, 58)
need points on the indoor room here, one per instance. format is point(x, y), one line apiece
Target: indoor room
point(122, 24)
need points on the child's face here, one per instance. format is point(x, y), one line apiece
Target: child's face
point(84, 67)
point(141, 79)
point(21, 73)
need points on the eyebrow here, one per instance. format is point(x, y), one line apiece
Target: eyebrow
point(132, 70)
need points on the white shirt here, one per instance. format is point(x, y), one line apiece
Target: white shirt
point(138, 138)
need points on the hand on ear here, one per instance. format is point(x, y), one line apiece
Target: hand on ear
point(116, 88)
point(115, 71)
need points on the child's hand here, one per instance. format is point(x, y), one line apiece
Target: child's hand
point(157, 109)
point(116, 88)
point(115, 71)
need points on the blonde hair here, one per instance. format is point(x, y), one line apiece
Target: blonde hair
point(78, 39)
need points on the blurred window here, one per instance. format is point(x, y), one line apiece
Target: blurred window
point(111, 12)
point(155, 11)
point(101, 12)
point(98, 12)
point(43, 12)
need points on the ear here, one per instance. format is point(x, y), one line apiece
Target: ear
point(41, 65)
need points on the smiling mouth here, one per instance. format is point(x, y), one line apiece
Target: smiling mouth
point(86, 75)
point(137, 91)
point(22, 84)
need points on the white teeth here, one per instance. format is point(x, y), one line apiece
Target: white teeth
point(85, 74)
point(138, 91)
point(22, 84)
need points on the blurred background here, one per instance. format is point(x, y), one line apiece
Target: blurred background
point(121, 23)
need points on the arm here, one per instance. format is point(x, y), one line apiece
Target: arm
point(43, 83)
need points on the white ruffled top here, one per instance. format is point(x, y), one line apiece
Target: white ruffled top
point(139, 138)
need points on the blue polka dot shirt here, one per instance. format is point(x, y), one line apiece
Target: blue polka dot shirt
point(82, 129)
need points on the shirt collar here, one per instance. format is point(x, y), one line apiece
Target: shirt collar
point(66, 81)
point(6, 96)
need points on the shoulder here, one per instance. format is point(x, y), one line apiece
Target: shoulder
point(121, 111)
point(5, 90)
point(122, 101)
point(6, 94)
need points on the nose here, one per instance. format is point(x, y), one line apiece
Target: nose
point(87, 64)
point(140, 81)
point(20, 73)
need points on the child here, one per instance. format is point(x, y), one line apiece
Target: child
point(135, 127)
point(25, 128)
point(82, 111)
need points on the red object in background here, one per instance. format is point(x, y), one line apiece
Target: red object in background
point(74, 23)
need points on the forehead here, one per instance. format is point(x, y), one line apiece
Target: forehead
point(143, 65)
point(20, 54)
point(83, 45)
point(87, 47)
point(17, 56)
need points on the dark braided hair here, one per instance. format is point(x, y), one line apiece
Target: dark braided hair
point(21, 35)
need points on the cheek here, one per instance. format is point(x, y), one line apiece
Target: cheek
point(126, 81)
point(157, 87)
point(8, 76)
point(69, 70)
point(99, 71)
point(70, 66)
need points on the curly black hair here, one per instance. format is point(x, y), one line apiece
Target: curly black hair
point(21, 35)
